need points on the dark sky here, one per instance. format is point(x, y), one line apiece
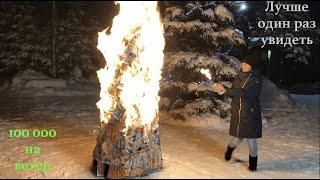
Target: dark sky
point(103, 10)
point(106, 9)
point(314, 7)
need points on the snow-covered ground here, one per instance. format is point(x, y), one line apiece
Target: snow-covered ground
point(289, 147)
point(308, 101)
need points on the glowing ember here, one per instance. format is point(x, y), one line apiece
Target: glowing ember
point(134, 57)
point(206, 72)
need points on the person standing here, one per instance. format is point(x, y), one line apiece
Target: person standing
point(246, 119)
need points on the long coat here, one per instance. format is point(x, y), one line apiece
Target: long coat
point(245, 107)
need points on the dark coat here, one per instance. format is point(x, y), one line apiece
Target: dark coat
point(245, 107)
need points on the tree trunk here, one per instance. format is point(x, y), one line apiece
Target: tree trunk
point(54, 39)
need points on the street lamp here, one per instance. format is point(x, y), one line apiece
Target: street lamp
point(243, 6)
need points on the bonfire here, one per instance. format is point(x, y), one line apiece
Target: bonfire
point(128, 143)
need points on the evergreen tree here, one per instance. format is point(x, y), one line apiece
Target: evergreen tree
point(248, 22)
point(76, 43)
point(18, 44)
point(199, 35)
point(25, 45)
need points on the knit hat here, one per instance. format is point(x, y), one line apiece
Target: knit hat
point(255, 59)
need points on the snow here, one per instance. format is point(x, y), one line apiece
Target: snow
point(176, 12)
point(171, 9)
point(190, 5)
point(193, 25)
point(227, 33)
point(274, 98)
point(206, 24)
point(189, 26)
point(196, 87)
point(289, 147)
point(209, 13)
point(310, 101)
point(201, 105)
point(207, 61)
point(228, 71)
point(195, 60)
point(33, 79)
point(49, 83)
point(207, 28)
point(234, 62)
point(231, 34)
point(223, 13)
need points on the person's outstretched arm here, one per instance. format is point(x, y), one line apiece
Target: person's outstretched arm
point(252, 87)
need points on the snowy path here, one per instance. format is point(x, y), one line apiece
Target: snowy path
point(287, 150)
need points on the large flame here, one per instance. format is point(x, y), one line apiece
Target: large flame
point(137, 28)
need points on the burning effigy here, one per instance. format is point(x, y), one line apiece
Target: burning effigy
point(128, 143)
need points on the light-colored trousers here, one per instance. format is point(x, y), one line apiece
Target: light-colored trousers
point(252, 142)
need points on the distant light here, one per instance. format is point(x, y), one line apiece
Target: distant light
point(243, 6)
point(269, 54)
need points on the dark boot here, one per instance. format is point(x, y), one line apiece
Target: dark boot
point(253, 163)
point(228, 154)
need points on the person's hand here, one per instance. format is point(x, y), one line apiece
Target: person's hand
point(219, 88)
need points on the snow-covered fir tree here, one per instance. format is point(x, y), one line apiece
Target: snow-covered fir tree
point(25, 45)
point(248, 22)
point(76, 43)
point(199, 35)
point(19, 46)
